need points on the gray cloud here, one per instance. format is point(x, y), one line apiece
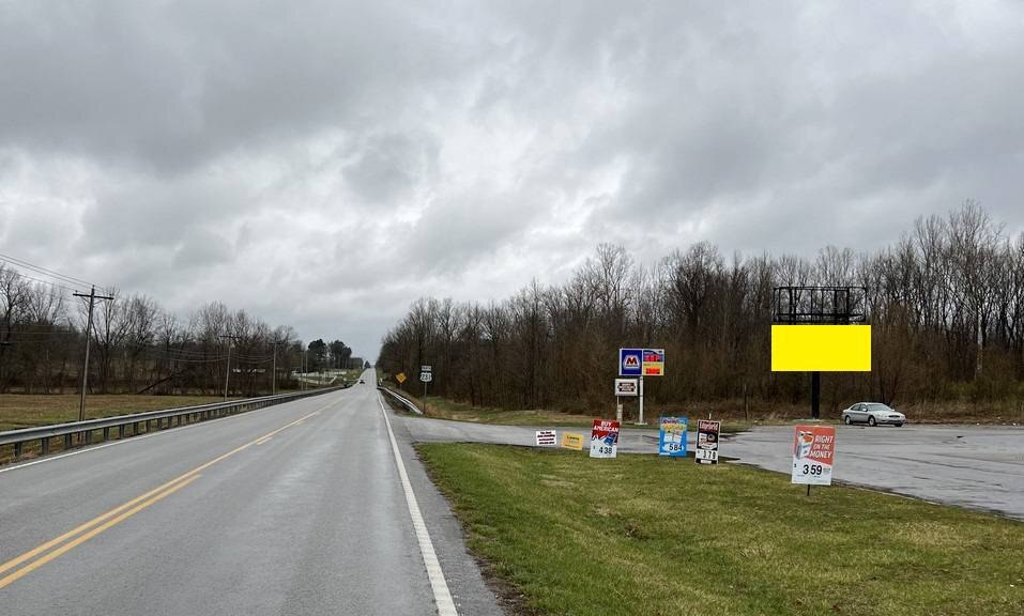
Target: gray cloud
point(323, 164)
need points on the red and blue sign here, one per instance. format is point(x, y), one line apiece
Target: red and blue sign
point(631, 362)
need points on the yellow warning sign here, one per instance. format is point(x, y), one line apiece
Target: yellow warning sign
point(400, 377)
point(572, 441)
point(821, 348)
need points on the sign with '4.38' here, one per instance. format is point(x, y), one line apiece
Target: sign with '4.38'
point(604, 439)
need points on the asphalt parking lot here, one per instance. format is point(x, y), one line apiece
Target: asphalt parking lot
point(980, 467)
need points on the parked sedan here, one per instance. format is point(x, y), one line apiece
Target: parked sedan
point(873, 413)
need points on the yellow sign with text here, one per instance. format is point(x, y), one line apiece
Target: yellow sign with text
point(400, 377)
point(572, 441)
point(821, 348)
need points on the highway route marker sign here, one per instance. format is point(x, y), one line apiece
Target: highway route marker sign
point(572, 441)
point(604, 439)
point(672, 437)
point(426, 377)
point(708, 433)
point(547, 438)
point(814, 450)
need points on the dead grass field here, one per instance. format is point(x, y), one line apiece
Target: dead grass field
point(28, 410)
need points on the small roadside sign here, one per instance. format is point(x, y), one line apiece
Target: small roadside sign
point(426, 377)
point(547, 438)
point(672, 437)
point(572, 441)
point(626, 387)
point(426, 368)
point(604, 439)
point(708, 433)
point(653, 362)
point(814, 450)
point(400, 377)
point(629, 362)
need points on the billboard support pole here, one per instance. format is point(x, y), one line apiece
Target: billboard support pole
point(815, 395)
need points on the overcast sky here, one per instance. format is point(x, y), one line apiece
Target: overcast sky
point(324, 164)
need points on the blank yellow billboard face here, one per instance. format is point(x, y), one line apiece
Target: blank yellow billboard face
point(821, 348)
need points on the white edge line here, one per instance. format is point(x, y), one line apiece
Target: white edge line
point(442, 596)
point(129, 439)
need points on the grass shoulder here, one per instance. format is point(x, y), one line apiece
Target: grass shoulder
point(648, 535)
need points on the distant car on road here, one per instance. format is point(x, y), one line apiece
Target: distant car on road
point(873, 414)
point(361, 381)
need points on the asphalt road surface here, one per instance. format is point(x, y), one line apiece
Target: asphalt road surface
point(297, 509)
point(966, 466)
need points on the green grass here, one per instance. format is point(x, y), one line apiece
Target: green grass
point(648, 536)
point(27, 410)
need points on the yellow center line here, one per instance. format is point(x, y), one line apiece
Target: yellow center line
point(89, 535)
point(263, 440)
point(133, 506)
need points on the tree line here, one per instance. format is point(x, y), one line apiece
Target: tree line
point(139, 347)
point(946, 305)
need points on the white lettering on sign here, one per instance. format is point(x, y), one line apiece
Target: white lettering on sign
point(626, 387)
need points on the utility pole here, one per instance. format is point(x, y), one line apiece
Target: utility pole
point(273, 381)
point(88, 335)
point(3, 345)
point(227, 371)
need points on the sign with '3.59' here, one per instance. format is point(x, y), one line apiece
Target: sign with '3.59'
point(814, 450)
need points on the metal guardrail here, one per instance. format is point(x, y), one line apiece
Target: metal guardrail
point(182, 415)
point(409, 404)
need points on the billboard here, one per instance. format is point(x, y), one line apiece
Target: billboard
point(821, 348)
point(814, 450)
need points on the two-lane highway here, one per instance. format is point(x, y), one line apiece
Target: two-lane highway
point(295, 509)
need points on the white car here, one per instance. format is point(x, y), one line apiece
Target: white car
point(873, 414)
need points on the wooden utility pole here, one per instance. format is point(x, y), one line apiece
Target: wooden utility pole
point(88, 335)
point(227, 371)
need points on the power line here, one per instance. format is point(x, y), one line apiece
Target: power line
point(46, 282)
point(45, 271)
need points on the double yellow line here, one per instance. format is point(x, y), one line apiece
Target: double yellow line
point(56, 547)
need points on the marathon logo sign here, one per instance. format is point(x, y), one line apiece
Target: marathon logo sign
point(630, 362)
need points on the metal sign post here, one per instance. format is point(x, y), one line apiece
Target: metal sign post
point(641, 419)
